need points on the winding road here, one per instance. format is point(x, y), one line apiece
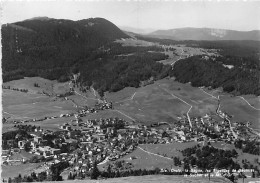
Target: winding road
point(178, 58)
point(226, 118)
point(188, 116)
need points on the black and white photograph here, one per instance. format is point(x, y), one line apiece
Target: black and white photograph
point(130, 91)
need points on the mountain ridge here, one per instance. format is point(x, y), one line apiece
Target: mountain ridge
point(46, 43)
point(190, 33)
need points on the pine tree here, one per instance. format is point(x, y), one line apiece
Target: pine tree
point(109, 171)
point(95, 172)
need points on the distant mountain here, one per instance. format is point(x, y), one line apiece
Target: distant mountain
point(205, 34)
point(136, 30)
point(44, 43)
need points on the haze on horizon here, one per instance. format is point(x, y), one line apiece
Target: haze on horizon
point(242, 16)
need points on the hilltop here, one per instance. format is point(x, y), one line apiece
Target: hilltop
point(47, 47)
point(205, 34)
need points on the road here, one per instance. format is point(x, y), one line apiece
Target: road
point(188, 116)
point(85, 96)
point(99, 100)
point(124, 114)
point(218, 112)
point(248, 103)
point(178, 58)
point(154, 154)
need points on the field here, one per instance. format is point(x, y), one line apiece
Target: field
point(19, 105)
point(159, 102)
point(170, 150)
point(135, 42)
point(147, 161)
point(15, 170)
point(155, 102)
point(238, 107)
point(165, 100)
point(150, 156)
point(156, 179)
point(240, 111)
point(28, 83)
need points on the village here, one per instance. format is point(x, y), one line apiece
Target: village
point(86, 143)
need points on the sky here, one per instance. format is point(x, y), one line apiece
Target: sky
point(235, 15)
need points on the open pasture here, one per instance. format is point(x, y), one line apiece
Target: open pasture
point(170, 150)
point(14, 171)
point(144, 160)
point(28, 83)
point(158, 102)
point(240, 110)
point(61, 88)
point(83, 101)
point(52, 124)
point(253, 100)
point(135, 42)
point(105, 114)
point(10, 97)
point(150, 104)
point(19, 105)
point(37, 110)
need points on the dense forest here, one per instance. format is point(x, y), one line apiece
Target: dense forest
point(243, 78)
point(48, 48)
point(243, 56)
point(209, 157)
point(56, 48)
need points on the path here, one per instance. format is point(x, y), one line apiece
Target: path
point(180, 100)
point(212, 96)
point(105, 161)
point(94, 91)
point(218, 109)
point(178, 58)
point(15, 115)
point(132, 97)
point(124, 114)
point(154, 153)
point(85, 96)
point(248, 103)
point(209, 94)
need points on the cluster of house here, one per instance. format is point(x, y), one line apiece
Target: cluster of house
point(83, 142)
point(101, 105)
point(210, 127)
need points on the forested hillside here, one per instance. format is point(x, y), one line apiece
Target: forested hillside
point(243, 78)
point(242, 56)
point(48, 47)
point(54, 49)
